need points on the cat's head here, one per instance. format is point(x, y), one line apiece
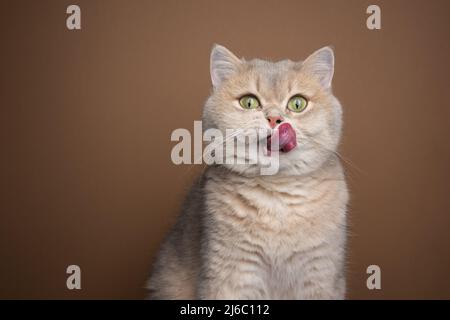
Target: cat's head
point(294, 97)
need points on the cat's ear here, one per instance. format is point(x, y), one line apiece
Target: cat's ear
point(223, 64)
point(320, 64)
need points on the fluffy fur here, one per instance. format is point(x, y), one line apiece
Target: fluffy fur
point(243, 235)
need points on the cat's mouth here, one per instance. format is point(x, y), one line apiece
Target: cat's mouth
point(283, 139)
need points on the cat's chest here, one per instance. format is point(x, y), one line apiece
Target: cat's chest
point(277, 215)
point(289, 205)
point(292, 217)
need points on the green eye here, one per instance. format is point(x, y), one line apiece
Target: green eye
point(249, 102)
point(297, 104)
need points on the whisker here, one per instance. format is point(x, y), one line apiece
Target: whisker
point(341, 157)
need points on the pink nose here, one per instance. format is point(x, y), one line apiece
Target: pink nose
point(273, 121)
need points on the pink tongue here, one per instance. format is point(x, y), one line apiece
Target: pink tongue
point(287, 138)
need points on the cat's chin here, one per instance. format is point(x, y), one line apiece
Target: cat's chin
point(269, 153)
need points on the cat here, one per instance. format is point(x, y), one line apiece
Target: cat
point(243, 235)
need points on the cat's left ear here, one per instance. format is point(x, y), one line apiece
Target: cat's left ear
point(223, 64)
point(320, 64)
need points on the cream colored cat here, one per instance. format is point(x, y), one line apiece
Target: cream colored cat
point(243, 235)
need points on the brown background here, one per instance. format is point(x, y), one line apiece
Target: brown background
point(86, 117)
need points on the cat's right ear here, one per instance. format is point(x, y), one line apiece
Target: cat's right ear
point(223, 64)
